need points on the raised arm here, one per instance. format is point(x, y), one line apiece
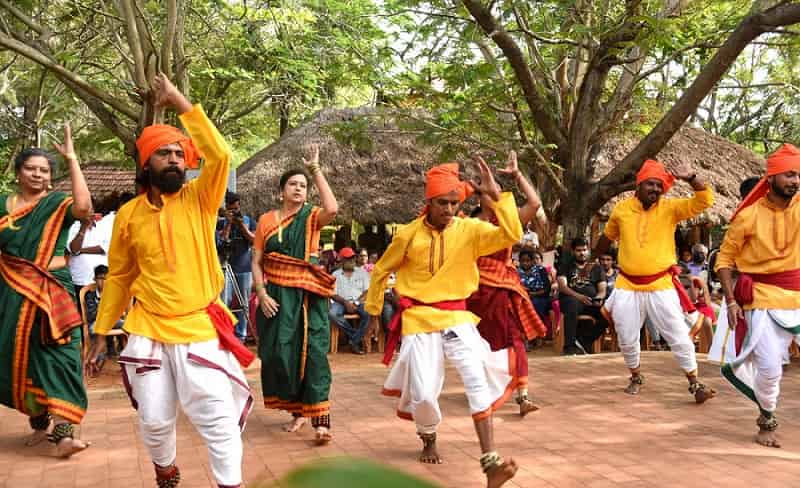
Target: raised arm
point(326, 197)
point(533, 203)
point(703, 198)
point(490, 238)
point(81, 198)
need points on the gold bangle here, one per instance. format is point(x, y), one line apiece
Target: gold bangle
point(259, 287)
point(314, 169)
point(71, 156)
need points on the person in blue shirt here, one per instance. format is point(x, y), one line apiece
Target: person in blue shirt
point(235, 233)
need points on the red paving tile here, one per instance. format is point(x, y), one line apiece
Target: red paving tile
point(587, 434)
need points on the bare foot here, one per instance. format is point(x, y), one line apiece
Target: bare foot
point(767, 438)
point(703, 394)
point(39, 435)
point(429, 454)
point(526, 406)
point(68, 446)
point(296, 424)
point(323, 436)
point(498, 475)
point(634, 386)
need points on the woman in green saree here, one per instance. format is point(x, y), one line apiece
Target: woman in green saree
point(293, 292)
point(40, 335)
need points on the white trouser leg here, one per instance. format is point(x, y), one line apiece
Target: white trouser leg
point(628, 318)
point(206, 397)
point(425, 379)
point(472, 371)
point(768, 359)
point(157, 400)
point(663, 308)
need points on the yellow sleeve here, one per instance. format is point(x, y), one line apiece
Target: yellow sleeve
point(213, 179)
point(386, 265)
point(489, 238)
point(611, 229)
point(732, 244)
point(686, 208)
point(122, 271)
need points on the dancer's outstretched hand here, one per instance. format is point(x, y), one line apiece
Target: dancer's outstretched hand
point(67, 149)
point(735, 313)
point(268, 305)
point(93, 363)
point(487, 185)
point(165, 94)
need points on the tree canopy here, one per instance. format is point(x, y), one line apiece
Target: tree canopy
point(553, 78)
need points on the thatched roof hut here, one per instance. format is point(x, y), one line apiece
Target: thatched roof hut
point(376, 165)
point(376, 168)
point(718, 161)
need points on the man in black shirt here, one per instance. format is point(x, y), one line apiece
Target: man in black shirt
point(582, 290)
point(235, 233)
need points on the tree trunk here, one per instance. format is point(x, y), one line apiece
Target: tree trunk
point(575, 219)
point(284, 118)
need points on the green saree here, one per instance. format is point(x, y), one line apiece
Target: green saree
point(293, 345)
point(40, 355)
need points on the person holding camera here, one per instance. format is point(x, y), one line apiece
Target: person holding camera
point(235, 233)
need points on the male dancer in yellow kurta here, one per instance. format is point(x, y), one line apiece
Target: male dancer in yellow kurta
point(764, 307)
point(647, 285)
point(435, 260)
point(181, 347)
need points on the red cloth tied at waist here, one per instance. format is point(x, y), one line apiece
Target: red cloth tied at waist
point(743, 293)
point(675, 271)
point(227, 339)
point(395, 326)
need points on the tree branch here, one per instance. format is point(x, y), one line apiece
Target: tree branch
point(750, 28)
point(545, 121)
point(46, 62)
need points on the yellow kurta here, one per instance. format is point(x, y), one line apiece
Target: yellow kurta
point(435, 266)
point(167, 257)
point(647, 237)
point(763, 239)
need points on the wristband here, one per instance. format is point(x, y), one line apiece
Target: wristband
point(259, 287)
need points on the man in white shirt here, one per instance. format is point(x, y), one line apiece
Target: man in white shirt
point(88, 246)
point(352, 283)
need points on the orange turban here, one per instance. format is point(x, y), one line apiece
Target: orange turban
point(785, 159)
point(157, 135)
point(653, 169)
point(443, 179)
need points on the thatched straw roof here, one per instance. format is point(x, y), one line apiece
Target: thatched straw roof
point(717, 160)
point(376, 165)
point(375, 168)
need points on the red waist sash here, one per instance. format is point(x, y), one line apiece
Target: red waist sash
point(743, 293)
point(675, 271)
point(396, 324)
point(227, 339)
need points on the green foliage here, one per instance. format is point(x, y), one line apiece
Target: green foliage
point(353, 133)
point(355, 473)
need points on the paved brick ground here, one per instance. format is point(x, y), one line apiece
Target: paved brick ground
point(588, 433)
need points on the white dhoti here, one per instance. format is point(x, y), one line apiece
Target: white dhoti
point(757, 370)
point(209, 385)
point(417, 376)
point(628, 310)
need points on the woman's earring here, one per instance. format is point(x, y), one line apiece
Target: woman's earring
point(49, 186)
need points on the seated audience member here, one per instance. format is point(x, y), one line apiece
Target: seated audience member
point(352, 283)
point(373, 258)
point(610, 271)
point(582, 291)
point(536, 280)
